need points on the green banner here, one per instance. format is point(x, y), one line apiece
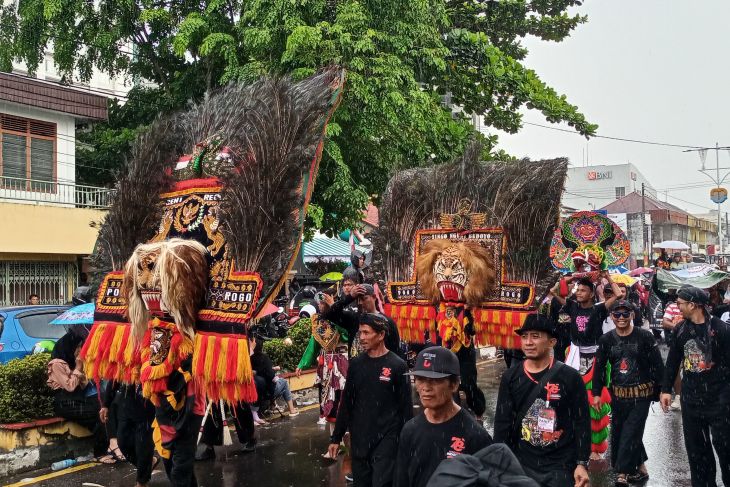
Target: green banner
point(702, 276)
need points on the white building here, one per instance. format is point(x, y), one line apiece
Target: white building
point(99, 84)
point(45, 214)
point(593, 187)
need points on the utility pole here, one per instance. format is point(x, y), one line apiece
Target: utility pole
point(715, 179)
point(644, 238)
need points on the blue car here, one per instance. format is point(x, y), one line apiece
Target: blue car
point(22, 327)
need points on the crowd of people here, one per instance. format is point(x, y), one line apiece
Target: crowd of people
point(581, 354)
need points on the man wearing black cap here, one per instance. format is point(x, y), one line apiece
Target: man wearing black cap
point(636, 369)
point(444, 430)
point(375, 405)
point(542, 413)
point(701, 345)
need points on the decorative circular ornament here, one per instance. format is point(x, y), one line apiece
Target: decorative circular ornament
point(718, 195)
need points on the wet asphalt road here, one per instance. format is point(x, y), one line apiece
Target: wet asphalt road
point(288, 454)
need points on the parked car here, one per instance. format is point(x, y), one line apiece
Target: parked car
point(22, 327)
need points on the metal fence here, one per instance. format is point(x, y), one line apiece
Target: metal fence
point(53, 282)
point(70, 194)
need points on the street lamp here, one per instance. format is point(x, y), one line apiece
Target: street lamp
point(717, 194)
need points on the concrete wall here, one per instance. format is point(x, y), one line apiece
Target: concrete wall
point(38, 446)
point(46, 229)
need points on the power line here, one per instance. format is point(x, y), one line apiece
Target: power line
point(620, 139)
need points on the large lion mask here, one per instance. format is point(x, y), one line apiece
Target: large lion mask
point(168, 277)
point(455, 271)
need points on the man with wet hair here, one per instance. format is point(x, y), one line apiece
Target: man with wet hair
point(444, 430)
point(700, 344)
point(375, 405)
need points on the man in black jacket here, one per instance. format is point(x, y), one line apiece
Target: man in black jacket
point(542, 413)
point(375, 405)
point(701, 345)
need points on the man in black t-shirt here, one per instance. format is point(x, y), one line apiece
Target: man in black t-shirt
point(375, 405)
point(636, 369)
point(586, 317)
point(701, 346)
point(542, 413)
point(444, 430)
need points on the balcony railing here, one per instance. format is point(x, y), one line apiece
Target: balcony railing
point(66, 194)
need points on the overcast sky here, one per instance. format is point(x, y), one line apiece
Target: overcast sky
point(654, 70)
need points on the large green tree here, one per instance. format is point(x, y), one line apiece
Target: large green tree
point(402, 57)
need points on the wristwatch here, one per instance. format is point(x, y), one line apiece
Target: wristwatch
point(581, 463)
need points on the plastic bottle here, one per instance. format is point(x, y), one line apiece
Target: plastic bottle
point(69, 462)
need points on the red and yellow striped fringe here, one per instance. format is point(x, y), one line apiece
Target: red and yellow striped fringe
point(493, 326)
point(109, 353)
point(222, 367)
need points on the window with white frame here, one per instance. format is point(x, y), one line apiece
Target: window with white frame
point(27, 154)
point(620, 191)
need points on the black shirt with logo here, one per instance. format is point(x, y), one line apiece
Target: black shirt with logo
point(586, 324)
point(376, 402)
point(636, 364)
point(705, 375)
point(555, 432)
point(424, 445)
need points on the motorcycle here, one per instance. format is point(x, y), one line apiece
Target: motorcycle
point(275, 325)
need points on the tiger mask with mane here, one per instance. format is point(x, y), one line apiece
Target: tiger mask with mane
point(168, 277)
point(455, 272)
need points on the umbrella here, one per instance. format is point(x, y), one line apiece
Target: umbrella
point(267, 310)
point(623, 279)
point(332, 276)
point(641, 270)
point(82, 314)
point(672, 244)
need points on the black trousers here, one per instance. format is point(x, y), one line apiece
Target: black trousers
point(468, 368)
point(213, 427)
point(179, 466)
point(628, 420)
point(551, 478)
point(378, 468)
point(134, 435)
point(699, 423)
point(85, 412)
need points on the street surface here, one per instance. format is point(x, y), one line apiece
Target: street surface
point(288, 454)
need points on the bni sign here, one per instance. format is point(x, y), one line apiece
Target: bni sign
point(597, 175)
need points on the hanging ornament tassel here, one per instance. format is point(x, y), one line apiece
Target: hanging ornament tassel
point(205, 418)
point(227, 440)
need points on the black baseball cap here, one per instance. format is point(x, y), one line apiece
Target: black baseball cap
point(436, 363)
point(535, 322)
point(623, 303)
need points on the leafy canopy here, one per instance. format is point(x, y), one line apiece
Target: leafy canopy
point(402, 57)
